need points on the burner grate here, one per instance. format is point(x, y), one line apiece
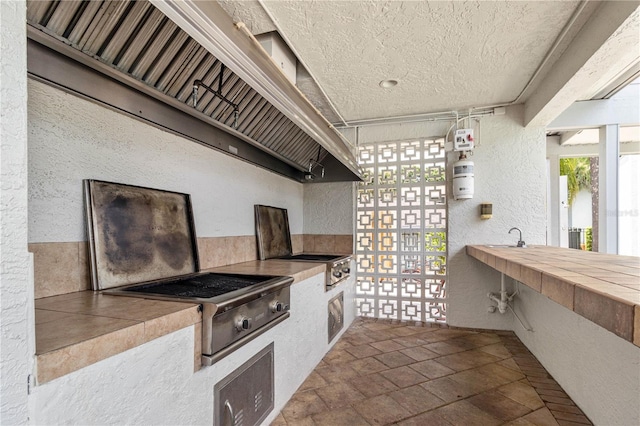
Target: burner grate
point(202, 286)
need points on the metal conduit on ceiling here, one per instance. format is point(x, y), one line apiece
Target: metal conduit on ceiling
point(137, 39)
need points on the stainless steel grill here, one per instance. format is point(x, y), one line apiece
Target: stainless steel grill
point(274, 242)
point(142, 244)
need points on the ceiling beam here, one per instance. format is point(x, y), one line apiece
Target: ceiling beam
point(586, 150)
point(619, 83)
point(566, 136)
point(607, 43)
point(591, 114)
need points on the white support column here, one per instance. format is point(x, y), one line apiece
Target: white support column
point(553, 230)
point(608, 189)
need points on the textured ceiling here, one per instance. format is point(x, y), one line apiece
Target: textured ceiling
point(445, 55)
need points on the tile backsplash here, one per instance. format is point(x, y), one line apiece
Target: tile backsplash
point(61, 268)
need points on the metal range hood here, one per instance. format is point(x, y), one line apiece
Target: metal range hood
point(215, 85)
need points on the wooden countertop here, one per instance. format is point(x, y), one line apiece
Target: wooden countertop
point(78, 329)
point(603, 288)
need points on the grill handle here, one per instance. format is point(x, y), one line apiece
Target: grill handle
point(229, 410)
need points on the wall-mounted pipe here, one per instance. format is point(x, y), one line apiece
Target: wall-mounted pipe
point(218, 94)
point(503, 299)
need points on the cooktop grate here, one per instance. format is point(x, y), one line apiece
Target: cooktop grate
point(203, 286)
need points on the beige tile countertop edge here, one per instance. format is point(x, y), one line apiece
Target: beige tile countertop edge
point(59, 362)
point(558, 274)
point(61, 355)
point(95, 330)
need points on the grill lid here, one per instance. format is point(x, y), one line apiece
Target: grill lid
point(272, 230)
point(138, 234)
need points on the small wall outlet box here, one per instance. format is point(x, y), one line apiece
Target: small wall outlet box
point(486, 211)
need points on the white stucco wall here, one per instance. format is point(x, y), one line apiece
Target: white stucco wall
point(328, 208)
point(510, 173)
point(398, 132)
point(16, 300)
point(599, 370)
point(155, 384)
point(71, 139)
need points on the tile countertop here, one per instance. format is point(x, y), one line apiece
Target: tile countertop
point(78, 329)
point(603, 288)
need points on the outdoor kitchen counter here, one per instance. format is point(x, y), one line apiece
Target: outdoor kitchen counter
point(603, 288)
point(78, 329)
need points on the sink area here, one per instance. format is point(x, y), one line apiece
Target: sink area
point(520, 244)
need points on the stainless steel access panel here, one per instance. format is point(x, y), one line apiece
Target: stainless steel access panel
point(336, 315)
point(246, 396)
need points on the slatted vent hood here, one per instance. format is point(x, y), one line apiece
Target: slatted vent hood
point(138, 40)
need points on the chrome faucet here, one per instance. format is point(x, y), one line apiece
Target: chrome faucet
point(521, 243)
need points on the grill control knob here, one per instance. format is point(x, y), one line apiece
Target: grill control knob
point(346, 269)
point(337, 274)
point(277, 307)
point(243, 323)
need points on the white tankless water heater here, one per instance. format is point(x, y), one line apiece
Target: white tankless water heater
point(463, 178)
point(463, 169)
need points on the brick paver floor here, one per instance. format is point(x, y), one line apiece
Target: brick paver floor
point(382, 372)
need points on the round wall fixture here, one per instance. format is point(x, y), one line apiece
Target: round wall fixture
point(387, 84)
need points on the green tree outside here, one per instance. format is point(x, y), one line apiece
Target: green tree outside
point(578, 173)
